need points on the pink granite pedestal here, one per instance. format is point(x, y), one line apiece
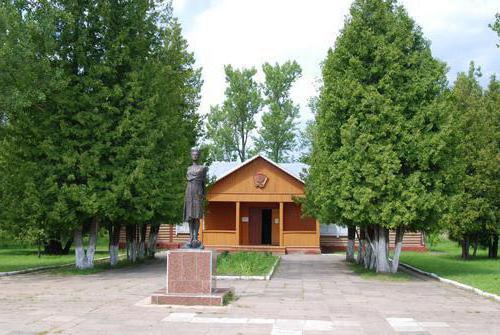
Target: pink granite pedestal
point(189, 280)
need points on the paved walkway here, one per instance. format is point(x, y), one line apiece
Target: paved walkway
point(310, 294)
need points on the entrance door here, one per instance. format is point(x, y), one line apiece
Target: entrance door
point(255, 226)
point(267, 227)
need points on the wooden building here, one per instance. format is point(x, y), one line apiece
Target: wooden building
point(251, 206)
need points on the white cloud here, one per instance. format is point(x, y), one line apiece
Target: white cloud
point(247, 33)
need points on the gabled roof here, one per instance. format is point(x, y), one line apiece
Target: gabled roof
point(219, 170)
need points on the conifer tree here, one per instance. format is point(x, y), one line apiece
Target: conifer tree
point(378, 146)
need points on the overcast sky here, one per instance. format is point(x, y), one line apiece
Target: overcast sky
point(248, 33)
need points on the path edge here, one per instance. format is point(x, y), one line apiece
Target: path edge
point(43, 268)
point(452, 282)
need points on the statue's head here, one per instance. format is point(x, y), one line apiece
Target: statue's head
point(195, 154)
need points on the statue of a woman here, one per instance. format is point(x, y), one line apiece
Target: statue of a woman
point(194, 198)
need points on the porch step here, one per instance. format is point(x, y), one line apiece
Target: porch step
point(275, 250)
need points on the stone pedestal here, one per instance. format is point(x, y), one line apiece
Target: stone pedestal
point(189, 280)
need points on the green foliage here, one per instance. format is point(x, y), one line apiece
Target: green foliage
point(98, 103)
point(277, 136)
point(496, 26)
point(473, 177)
point(379, 148)
point(229, 126)
point(245, 263)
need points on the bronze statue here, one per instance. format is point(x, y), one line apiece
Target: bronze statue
point(194, 198)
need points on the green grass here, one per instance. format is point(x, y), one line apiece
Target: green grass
point(245, 263)
point(444, 260)
point(99, 267)
point(19, 258)
point(372, 275)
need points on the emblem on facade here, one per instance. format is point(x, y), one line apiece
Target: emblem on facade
point(260, 180)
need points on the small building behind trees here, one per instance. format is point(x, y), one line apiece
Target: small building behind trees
point(252, 206)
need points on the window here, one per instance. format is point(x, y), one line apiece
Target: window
point(332, 230)
point(182, 228)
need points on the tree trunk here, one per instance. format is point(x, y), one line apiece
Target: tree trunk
point(465, 247)
point(382, 262)
point(94, 228)
point(153, 237)
point(141, 252)
point(114, 243)
point(67, 246)
point(131, 232)
point(493, 246)
point(361, 246)
point(476, 243)
point(80, 256)
point(351, 235)
point(371, 247)
point(398, 243)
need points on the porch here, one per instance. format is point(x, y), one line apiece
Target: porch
point(276, 227)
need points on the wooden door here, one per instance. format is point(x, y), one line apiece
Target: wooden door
point(255, 226)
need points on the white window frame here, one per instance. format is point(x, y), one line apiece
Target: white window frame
point(332, 230)
point(182, 228)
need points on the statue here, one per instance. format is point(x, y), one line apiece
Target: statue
point(194, 198)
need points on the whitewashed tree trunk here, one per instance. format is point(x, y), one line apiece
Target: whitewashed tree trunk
point(397, 250)
point(114, 243)
point(80, 256)
point(141, 251)
point(85, 259)
point(153, 238)
point(361, 247)
point(382, 262)
point(94, 228)
point(351, 235)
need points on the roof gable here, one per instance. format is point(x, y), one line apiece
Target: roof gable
point(239, 178)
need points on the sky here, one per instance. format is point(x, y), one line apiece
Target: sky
point(248, 33)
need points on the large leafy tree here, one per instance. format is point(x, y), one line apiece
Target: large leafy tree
point(378, 146)
point(230, 125)
point(108, 136)
point(473, 176)
point(277, 135)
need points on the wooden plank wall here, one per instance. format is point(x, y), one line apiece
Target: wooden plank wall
point(411, 241)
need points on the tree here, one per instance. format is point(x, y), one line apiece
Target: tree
point(222, 147)
point(109, 115)
point(496, 26)
point(474, 177)
point(379, 148)
point(277, 135)
point(230, 126)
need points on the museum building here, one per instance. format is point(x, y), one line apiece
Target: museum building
point(252, 206)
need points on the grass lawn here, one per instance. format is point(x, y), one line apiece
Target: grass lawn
point(245, 263)
point(100, 267)
point(444, 260)
point(19, 258)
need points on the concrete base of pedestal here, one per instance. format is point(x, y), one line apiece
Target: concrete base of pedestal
point(190, 299)
point(189, 280)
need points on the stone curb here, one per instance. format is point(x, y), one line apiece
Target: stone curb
point(453, 283)
point(266, 277)
point(43, 268)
